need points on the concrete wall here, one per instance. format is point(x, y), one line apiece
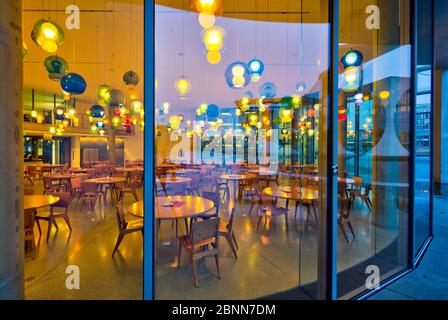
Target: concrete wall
point(133, 146)
point(11, 150)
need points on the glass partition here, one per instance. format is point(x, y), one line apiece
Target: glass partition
point(240, 110)
point(374, 146)
point(423, 123)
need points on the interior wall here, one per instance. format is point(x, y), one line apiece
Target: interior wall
point(133, 146)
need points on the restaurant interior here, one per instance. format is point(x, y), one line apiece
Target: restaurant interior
point(240, 104)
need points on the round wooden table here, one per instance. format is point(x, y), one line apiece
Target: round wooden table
point(296, 194)
point(188, 207)
point(130, 169)
point(191, 206)
point(182, 171)
point(38, 201)
point(236, 178)
point(166, 165)
point(111, 182)
point(263, 172)
point(81, 170)
point(172, 180)
point(292, 193)
point(64, 176)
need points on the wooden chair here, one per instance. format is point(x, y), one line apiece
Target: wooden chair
point(344, 216)
point(197, 244)
point(76, 187)
point(216, 199)
point(29, 221)
point(90, 194)
point(218, 186)
point(57, 210)
point(130, 186)
point(365, 196)
point(29, 176)
point(49, 186)
point(226, 231)
point(194, 185)
point(356, 189)
point(269, 210)
point(125, 227)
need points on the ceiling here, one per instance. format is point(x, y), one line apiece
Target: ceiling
point(108, 43)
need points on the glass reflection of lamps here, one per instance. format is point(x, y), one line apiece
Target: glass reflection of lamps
point(73, 83)
point(48, 35)
point(352, 58)
point(256, 67)
point(237, 75)
point(56, 67)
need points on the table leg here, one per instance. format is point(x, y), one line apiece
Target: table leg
point(235, 185)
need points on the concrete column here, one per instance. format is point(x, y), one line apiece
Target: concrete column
point(11, 149)
point(111, 142)
point(76, 152)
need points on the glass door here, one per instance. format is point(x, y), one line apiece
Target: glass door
point(374, 132)
point(241, 111)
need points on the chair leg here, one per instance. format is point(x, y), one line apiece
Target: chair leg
point(217, 265)
point(135, 195)
point(234, 241)
point(67, 221)
point(120, 238)
point(259, 222)
point(231, 244)
point(286, 221)
point(179, 254)
point(195, 272)
point(351, 228)
point(50, 222)
point(186, 226)
point(38, 227)
point(341, 227)
point(251, 207)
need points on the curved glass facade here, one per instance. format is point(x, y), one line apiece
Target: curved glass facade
point(346, 85)
point(217, 149)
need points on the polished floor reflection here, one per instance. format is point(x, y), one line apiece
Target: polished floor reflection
point(89, 247)
point(267, 262)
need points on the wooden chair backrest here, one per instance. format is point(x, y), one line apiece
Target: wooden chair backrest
point(48, 182)
point(89, 187)
point(342, 188)
point(204, 230)
point(215, 197)
point(28, 218)
point(367, 189)
point(232, 217)
point(64, 200)
point(120, 214)
point(76, 183)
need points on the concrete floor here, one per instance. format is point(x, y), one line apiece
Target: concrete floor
point(266, 263)
point(430, 280)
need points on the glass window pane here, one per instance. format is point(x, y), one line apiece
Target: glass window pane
point(240, 122)
point(374, 106)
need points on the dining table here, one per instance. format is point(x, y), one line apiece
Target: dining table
point(37, 201)
point(297, 194)
point(236, 178)
point(181, 171)
point(164, 181)
point(174, 208)
point(111, 182)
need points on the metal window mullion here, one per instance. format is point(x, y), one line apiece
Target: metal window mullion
point(332, 152)
point(149, 147)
